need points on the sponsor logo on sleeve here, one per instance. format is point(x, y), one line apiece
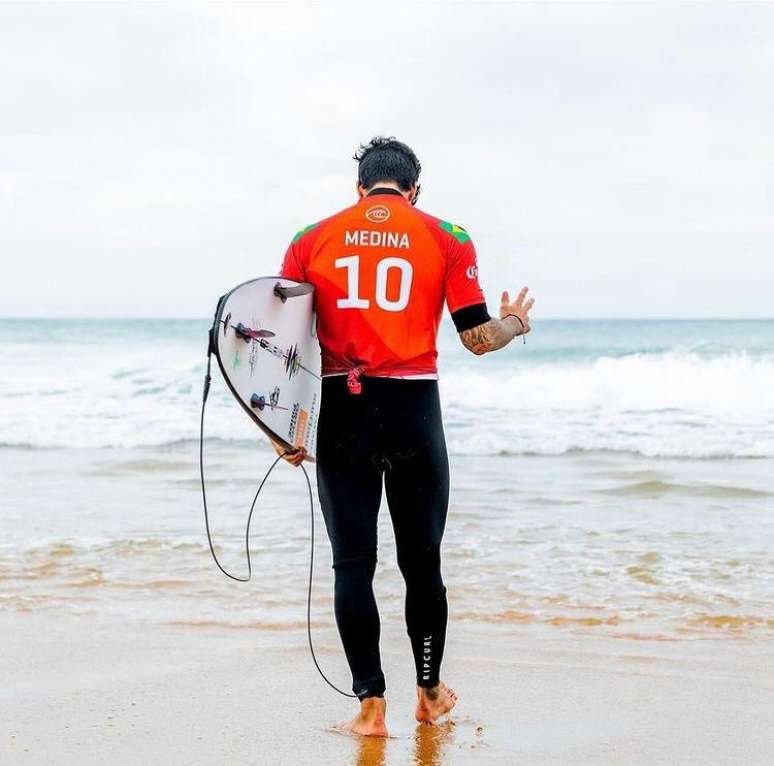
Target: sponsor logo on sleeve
point(377, 214)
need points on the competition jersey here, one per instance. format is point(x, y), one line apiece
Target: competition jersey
point(382, 270)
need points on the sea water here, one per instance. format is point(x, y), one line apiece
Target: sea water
point(611, 476)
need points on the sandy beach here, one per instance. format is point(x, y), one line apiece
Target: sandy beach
point(86, 691)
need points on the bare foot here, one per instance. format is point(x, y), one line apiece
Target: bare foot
point(369, 721)
point(435, 702)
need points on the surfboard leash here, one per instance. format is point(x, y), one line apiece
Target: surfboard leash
point(205, 394)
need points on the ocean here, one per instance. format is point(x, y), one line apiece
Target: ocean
point(613, 476)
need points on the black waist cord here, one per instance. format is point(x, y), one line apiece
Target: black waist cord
point(207, 380)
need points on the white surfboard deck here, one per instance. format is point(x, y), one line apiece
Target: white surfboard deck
point(268, 352)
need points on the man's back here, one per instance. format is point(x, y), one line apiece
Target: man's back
point(381, 271)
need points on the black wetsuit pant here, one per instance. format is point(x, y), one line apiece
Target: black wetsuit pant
point(391, 432)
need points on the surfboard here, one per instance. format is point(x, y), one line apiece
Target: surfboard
point(265, 340)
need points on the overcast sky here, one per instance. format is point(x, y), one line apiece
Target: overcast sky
point(618, 159)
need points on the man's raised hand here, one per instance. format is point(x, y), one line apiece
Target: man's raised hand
point(519, 308)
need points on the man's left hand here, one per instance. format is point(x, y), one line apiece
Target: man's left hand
point(295, 457)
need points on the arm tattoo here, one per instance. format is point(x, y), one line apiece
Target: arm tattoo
point(490, 336)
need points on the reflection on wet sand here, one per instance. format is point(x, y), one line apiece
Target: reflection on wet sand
point(429, 742)
point(371, 751)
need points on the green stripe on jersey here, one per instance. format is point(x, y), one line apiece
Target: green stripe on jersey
point(300, 233)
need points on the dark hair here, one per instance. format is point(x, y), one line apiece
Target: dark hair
point(387, 159)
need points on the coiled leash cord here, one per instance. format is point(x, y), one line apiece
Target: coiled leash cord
point(205, 393)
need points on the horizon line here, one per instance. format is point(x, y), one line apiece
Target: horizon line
point(614, 318)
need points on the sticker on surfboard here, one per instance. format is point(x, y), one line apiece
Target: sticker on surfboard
point(264, 338)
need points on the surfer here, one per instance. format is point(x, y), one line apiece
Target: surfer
point(381, 271)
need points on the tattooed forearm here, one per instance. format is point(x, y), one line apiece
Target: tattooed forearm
point(490, 336)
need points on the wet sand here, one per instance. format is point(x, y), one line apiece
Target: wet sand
point(86, 690)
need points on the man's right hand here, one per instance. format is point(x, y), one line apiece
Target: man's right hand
point(295, 457)
point(519, 308)
point(497, 333)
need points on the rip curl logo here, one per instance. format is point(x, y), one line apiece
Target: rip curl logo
point(426, 645)
point(471, 272)
point(377, 214)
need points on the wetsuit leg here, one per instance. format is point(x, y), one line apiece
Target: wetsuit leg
point(417, 488)
point(393, 428)
point(349, 478)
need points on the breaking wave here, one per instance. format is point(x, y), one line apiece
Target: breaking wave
point(145, 392)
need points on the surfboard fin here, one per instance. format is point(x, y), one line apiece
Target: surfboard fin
point(259, 401)
point(247, 333)
point(283, 293)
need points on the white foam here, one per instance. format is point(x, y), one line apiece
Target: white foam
point(670, 404)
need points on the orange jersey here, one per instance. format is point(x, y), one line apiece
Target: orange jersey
point(381, 270)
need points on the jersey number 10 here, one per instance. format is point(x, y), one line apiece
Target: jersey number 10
point(353, 300)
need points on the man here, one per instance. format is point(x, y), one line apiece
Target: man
point(381, 271)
